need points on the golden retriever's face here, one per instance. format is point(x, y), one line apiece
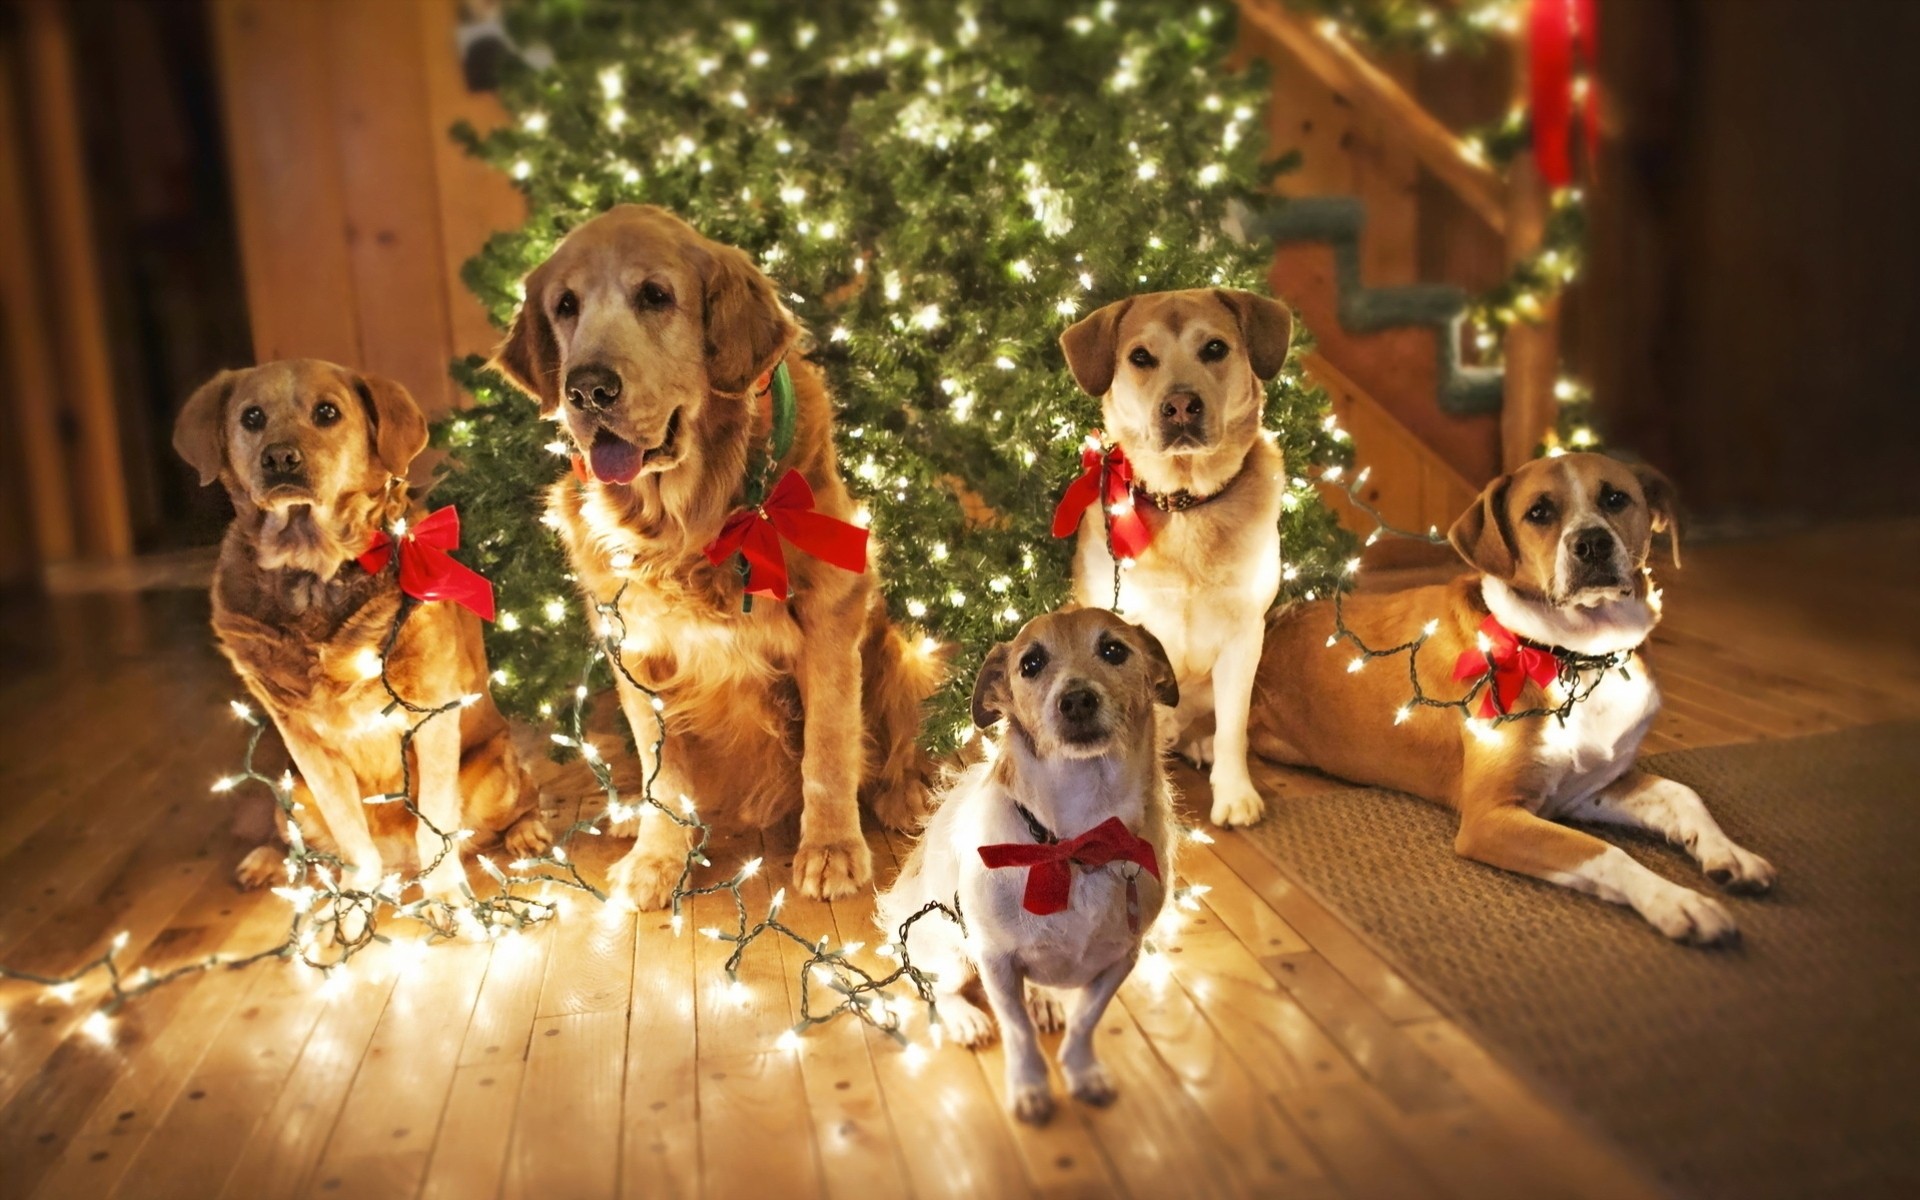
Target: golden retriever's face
point(1181, 371)
point(632, 327)
point(299, 432)
point(1076, 683)
point(1574, 530)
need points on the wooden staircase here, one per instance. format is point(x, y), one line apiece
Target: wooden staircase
point(1433, 427)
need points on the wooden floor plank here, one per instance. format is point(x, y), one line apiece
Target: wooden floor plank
point(567, 1127)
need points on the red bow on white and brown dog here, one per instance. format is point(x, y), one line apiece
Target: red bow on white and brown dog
point(1554, 621)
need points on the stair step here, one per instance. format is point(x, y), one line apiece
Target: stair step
point(1337, 221)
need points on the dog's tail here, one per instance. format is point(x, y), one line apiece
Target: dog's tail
point(897, 677)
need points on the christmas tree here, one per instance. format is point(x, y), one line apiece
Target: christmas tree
point(938, 190)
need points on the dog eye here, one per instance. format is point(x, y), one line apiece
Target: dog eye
point(1032, 661)
point(1213, 351)
point(1140, 357)
point(1613, 499)
point(653, 295)
point(254, 418)
point(324, 413)
point(568, 305)
point(1114, 652)
point(1541, 512)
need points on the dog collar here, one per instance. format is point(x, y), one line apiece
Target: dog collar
point(1040, 832)
point(1504, 662)
point(1182, 500)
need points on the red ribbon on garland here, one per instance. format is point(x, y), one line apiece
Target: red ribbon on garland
point(788, 513)
point(1129, 529)
point(1509, 662)
point(1050, 864)
point(427, 571)
point(1555, 30)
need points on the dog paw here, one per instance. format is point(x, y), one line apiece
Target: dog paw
point(1687, 916)
point(832, 870)
point(1739, 870)
point(625, 827)
point(529, 837)
point(262, 867)
point(905, 807)
point(646, 881)
point(1237, 803)
point(1046, 1010)
point(1031, 1102)
point(1092, 1085)
point(1198, 752)
point(963, 1023)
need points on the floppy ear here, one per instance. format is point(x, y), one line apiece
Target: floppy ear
point(399, 427)
point(200, 431)
point(530, 357)
point(1481, 536)
point(1662, 505)
point(1267, 326)
point(1090, 345)
point(990, 687)
point(1166, 689)
point(747, 328)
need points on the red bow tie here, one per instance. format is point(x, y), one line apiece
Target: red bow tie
point(1050, 870)
point(1129, 529)
point(427, 571)
point(787, 513)
point(1507, 663)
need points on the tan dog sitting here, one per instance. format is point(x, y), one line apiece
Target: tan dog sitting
point(1180, 375)
point(1560, 547)
point(315, 458)
point(1079, 771)
point(654, 348)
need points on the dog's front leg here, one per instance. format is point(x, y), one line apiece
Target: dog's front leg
point(1638, 800)
point(1028, 1096)
point(1508, 836)
point(336, 793)
point(651, 870)
point(436, 749)
point(1235, 800)
point(1086, 1078)
point(833, 860)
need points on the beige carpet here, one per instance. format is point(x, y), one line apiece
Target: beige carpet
point(1788, 1066)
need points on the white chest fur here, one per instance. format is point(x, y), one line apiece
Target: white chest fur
point(1601, 736)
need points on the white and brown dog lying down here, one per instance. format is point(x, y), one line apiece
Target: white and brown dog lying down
point(653, 346)
point(1076, 786)
point(1560, 547)
point(315, 458)
point(1180, 375)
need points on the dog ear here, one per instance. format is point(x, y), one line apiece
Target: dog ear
point(1166, 689)
point(530, 357)
point(200, 431)
point(747, 327)
point(1267, 326)
point(990, 687)
point(1481, 535)
point(1662, 505)
point(1090, 345)
point(399, 427)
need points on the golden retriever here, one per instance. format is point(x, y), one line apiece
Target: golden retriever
point(652, 345)
point(315, 458)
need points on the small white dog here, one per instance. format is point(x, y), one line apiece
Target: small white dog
point(1195, 497)
point(1056, 847)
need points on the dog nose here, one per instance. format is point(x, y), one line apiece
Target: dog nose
point(281, 458)
point(1079, 704)
point(1181, 408)
point(1593, 544)
point(593, 386)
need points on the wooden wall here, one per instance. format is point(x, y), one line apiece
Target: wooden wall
point(356, 210)
point(1753, 253)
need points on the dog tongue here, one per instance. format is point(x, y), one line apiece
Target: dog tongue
point(614, 460)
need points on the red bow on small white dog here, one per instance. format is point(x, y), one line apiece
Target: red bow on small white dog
point(1050, 864)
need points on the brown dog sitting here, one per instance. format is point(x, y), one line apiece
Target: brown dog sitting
point(657, 350)
point(315, 459)
point(1561, 547)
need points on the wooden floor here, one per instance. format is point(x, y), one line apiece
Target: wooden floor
point(603, 1055)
